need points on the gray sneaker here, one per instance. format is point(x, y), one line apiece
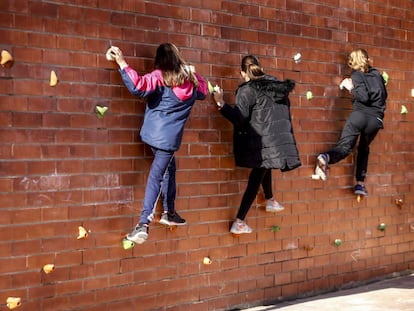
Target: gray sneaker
point(139, 235)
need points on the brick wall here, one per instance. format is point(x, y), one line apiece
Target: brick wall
point(62, 167)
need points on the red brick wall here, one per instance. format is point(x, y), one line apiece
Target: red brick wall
point(62, 167)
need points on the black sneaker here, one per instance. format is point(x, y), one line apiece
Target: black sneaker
point(360, 190)
point(139, 235)
point(169, 219)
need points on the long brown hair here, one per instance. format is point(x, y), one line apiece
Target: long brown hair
point(173, 66)
point(251, 66)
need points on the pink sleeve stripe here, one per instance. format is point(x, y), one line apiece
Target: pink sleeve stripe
point(147, 82)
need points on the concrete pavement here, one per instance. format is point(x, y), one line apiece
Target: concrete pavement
point(396, 294)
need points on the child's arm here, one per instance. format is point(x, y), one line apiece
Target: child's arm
point(202, 88)
point(138, 85)
point(141, 86)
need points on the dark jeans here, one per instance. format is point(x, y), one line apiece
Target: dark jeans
point(362, 125)
point(161, 180)
point(257, 177)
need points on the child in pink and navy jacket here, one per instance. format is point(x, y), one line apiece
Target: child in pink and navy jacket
point(171, 91)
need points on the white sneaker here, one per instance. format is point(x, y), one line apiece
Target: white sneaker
point(239, 227)
point(321, 167)
point(273, 206)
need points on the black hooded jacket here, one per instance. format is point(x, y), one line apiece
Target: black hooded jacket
point(263, 133)
point(369, 92)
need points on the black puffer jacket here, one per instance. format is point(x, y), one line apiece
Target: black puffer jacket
point(263, 133)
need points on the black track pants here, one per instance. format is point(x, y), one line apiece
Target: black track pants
point(362, 125)
point(257, 177)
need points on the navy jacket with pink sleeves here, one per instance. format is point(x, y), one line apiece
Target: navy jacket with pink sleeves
point(167, 108)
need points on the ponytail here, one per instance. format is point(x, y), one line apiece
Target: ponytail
point(251, 66)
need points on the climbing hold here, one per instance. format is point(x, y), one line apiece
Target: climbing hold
point(309, 95)
point(127, 244)
point(275, 228)
point(404, 110)
point(48, 268)
point(110, 55)
point(382, 227)
point(13, 302)
point(207, 261)
point(82, 233)
point(399, 202)
point(338, 242)
point(53, 78)
point(210, 87)
point(386, 77)
point(6, 57)
point(297, 58)
point(189, 68)
point(308, 248)
point(101, 111)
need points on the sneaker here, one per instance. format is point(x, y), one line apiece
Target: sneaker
point(239, 227)
point(139, 235)
point(361, 190)
point(169, 219)
point(321, 168)
point(273, 206)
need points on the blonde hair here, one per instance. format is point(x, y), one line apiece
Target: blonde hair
point(359, 60)
point(173, 66)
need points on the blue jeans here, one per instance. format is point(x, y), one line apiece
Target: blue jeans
point(161, 180)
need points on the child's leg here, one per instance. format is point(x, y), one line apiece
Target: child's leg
point(153, 189)
point(366, 138)
point(267, 184)
point(168, 187)
point(253, 184)
point(354, 125)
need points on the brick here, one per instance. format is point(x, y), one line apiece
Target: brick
point(60, 162)
point(14, 265)
point(42, 40)
point(43, 9)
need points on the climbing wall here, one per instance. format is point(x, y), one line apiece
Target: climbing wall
point(73, 168)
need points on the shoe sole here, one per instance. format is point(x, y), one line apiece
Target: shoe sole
point(238, 233)
point(274, 210)
point(171, 223)
point(361, 193)
point(139, 239)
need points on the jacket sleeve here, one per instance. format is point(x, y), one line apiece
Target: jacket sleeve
point(232, 114)
point(239, 115)
point(141, 86)
point(202, 88)
point(360, 90)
